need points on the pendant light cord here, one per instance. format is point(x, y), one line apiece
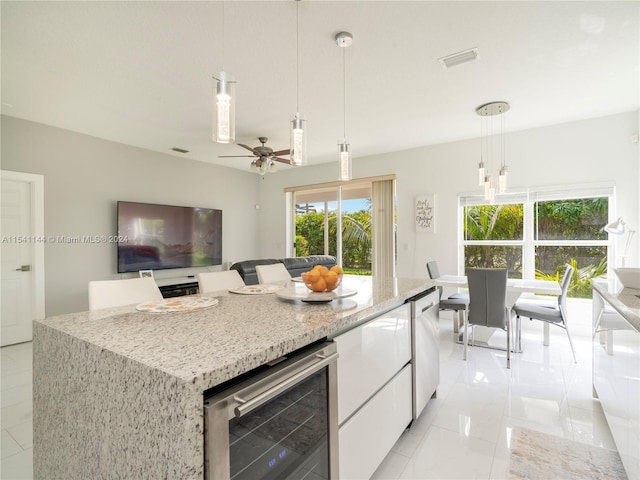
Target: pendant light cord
point(344, 94)
point(297, 58)
point(222, 36)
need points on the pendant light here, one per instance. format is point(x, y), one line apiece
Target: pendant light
point(224, 109)
point(491, 149)
point(344, 40)
point(298, 153)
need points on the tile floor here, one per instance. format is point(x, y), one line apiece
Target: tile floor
point(462, 434)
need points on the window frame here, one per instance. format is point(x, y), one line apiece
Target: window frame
point(528, 198)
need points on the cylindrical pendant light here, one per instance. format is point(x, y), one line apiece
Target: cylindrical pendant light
point(344, 40)
point(344, 161)
point(224, 114)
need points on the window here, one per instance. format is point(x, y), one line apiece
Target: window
point(534, 234)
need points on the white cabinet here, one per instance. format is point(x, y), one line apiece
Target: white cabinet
point(367, 437)
point(374, 390)
point(369, 356)
point(616, 379)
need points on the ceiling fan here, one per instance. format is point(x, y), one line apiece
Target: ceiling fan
point(265, 157)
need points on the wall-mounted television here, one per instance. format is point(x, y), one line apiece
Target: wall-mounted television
point(155, 237)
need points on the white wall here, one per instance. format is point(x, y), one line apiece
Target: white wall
point(590, 151)
point(84, 177)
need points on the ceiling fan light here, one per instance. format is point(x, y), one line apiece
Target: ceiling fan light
point(224, 127)
point(344, 161)
point(298, 140)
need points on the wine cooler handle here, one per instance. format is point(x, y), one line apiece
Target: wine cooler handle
point(249, 404)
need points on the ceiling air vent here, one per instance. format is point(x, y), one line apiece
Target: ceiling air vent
point(461, 57)
point(180, 150)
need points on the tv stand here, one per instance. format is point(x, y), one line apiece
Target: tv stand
point(177, 287)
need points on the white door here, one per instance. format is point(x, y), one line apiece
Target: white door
point(21, 259)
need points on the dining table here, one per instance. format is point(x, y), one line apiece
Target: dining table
point(515, 288)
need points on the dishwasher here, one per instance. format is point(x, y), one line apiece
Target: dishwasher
point(425, 346)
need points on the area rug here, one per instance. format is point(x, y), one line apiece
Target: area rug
point(538, 456)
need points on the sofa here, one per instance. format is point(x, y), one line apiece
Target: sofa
point(295, 265)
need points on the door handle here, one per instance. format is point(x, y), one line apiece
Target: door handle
point(24, 268)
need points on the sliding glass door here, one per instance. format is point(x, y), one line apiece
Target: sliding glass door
point(354, 221)
point(335, 221)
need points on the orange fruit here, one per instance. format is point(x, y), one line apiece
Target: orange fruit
point(331, 279)
point(311, 276)
point(319, 285)
point(322, 268)
point(337, 269)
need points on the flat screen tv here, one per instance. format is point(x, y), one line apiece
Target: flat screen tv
point(155, 237)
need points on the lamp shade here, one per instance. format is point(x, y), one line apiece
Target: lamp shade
point(224, 128)
point(617, 227)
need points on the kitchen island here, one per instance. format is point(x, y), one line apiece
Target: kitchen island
point(616, 366)
point(118, 393)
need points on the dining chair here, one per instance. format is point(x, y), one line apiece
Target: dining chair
point(457, 302)
point(488, 303)
point(551, 314)
point(216, 281)
point(115, 293)
point(274, 273)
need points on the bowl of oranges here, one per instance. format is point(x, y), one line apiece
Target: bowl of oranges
point(323, 279)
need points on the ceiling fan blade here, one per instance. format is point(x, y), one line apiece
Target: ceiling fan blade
point(236, 156)
point(248, 148)
point(281, 160)
point(281, 152)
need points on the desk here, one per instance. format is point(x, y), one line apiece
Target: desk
point(515, 288)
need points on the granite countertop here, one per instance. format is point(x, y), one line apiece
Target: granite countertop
point(626, 301)
point(207, 347)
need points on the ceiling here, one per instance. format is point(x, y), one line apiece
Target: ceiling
point(139, 73)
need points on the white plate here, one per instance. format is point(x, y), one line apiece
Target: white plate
point(257, 289)
point(301, 292)
point(177, 304)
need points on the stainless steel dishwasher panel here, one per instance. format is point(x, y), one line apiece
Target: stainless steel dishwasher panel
point(425, 344)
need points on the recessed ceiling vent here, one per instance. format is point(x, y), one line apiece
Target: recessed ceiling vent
point(180, 150)
point(458, 58)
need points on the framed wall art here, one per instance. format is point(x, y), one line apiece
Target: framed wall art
point(425, 213)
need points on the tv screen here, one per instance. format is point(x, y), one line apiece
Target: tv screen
point(155, 237)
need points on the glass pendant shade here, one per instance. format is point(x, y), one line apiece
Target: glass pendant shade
point(481, 173)
point(298, 152)
point(502, 179)
point(224, 115)
point(344, 161)
point(487, 187)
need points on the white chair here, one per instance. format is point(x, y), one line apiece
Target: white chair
point(216, 281)
point(114, 293)
point(274, 273)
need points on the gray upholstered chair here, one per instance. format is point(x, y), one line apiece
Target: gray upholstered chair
point(458, 302)
point(554, 314)
point(488, 303)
